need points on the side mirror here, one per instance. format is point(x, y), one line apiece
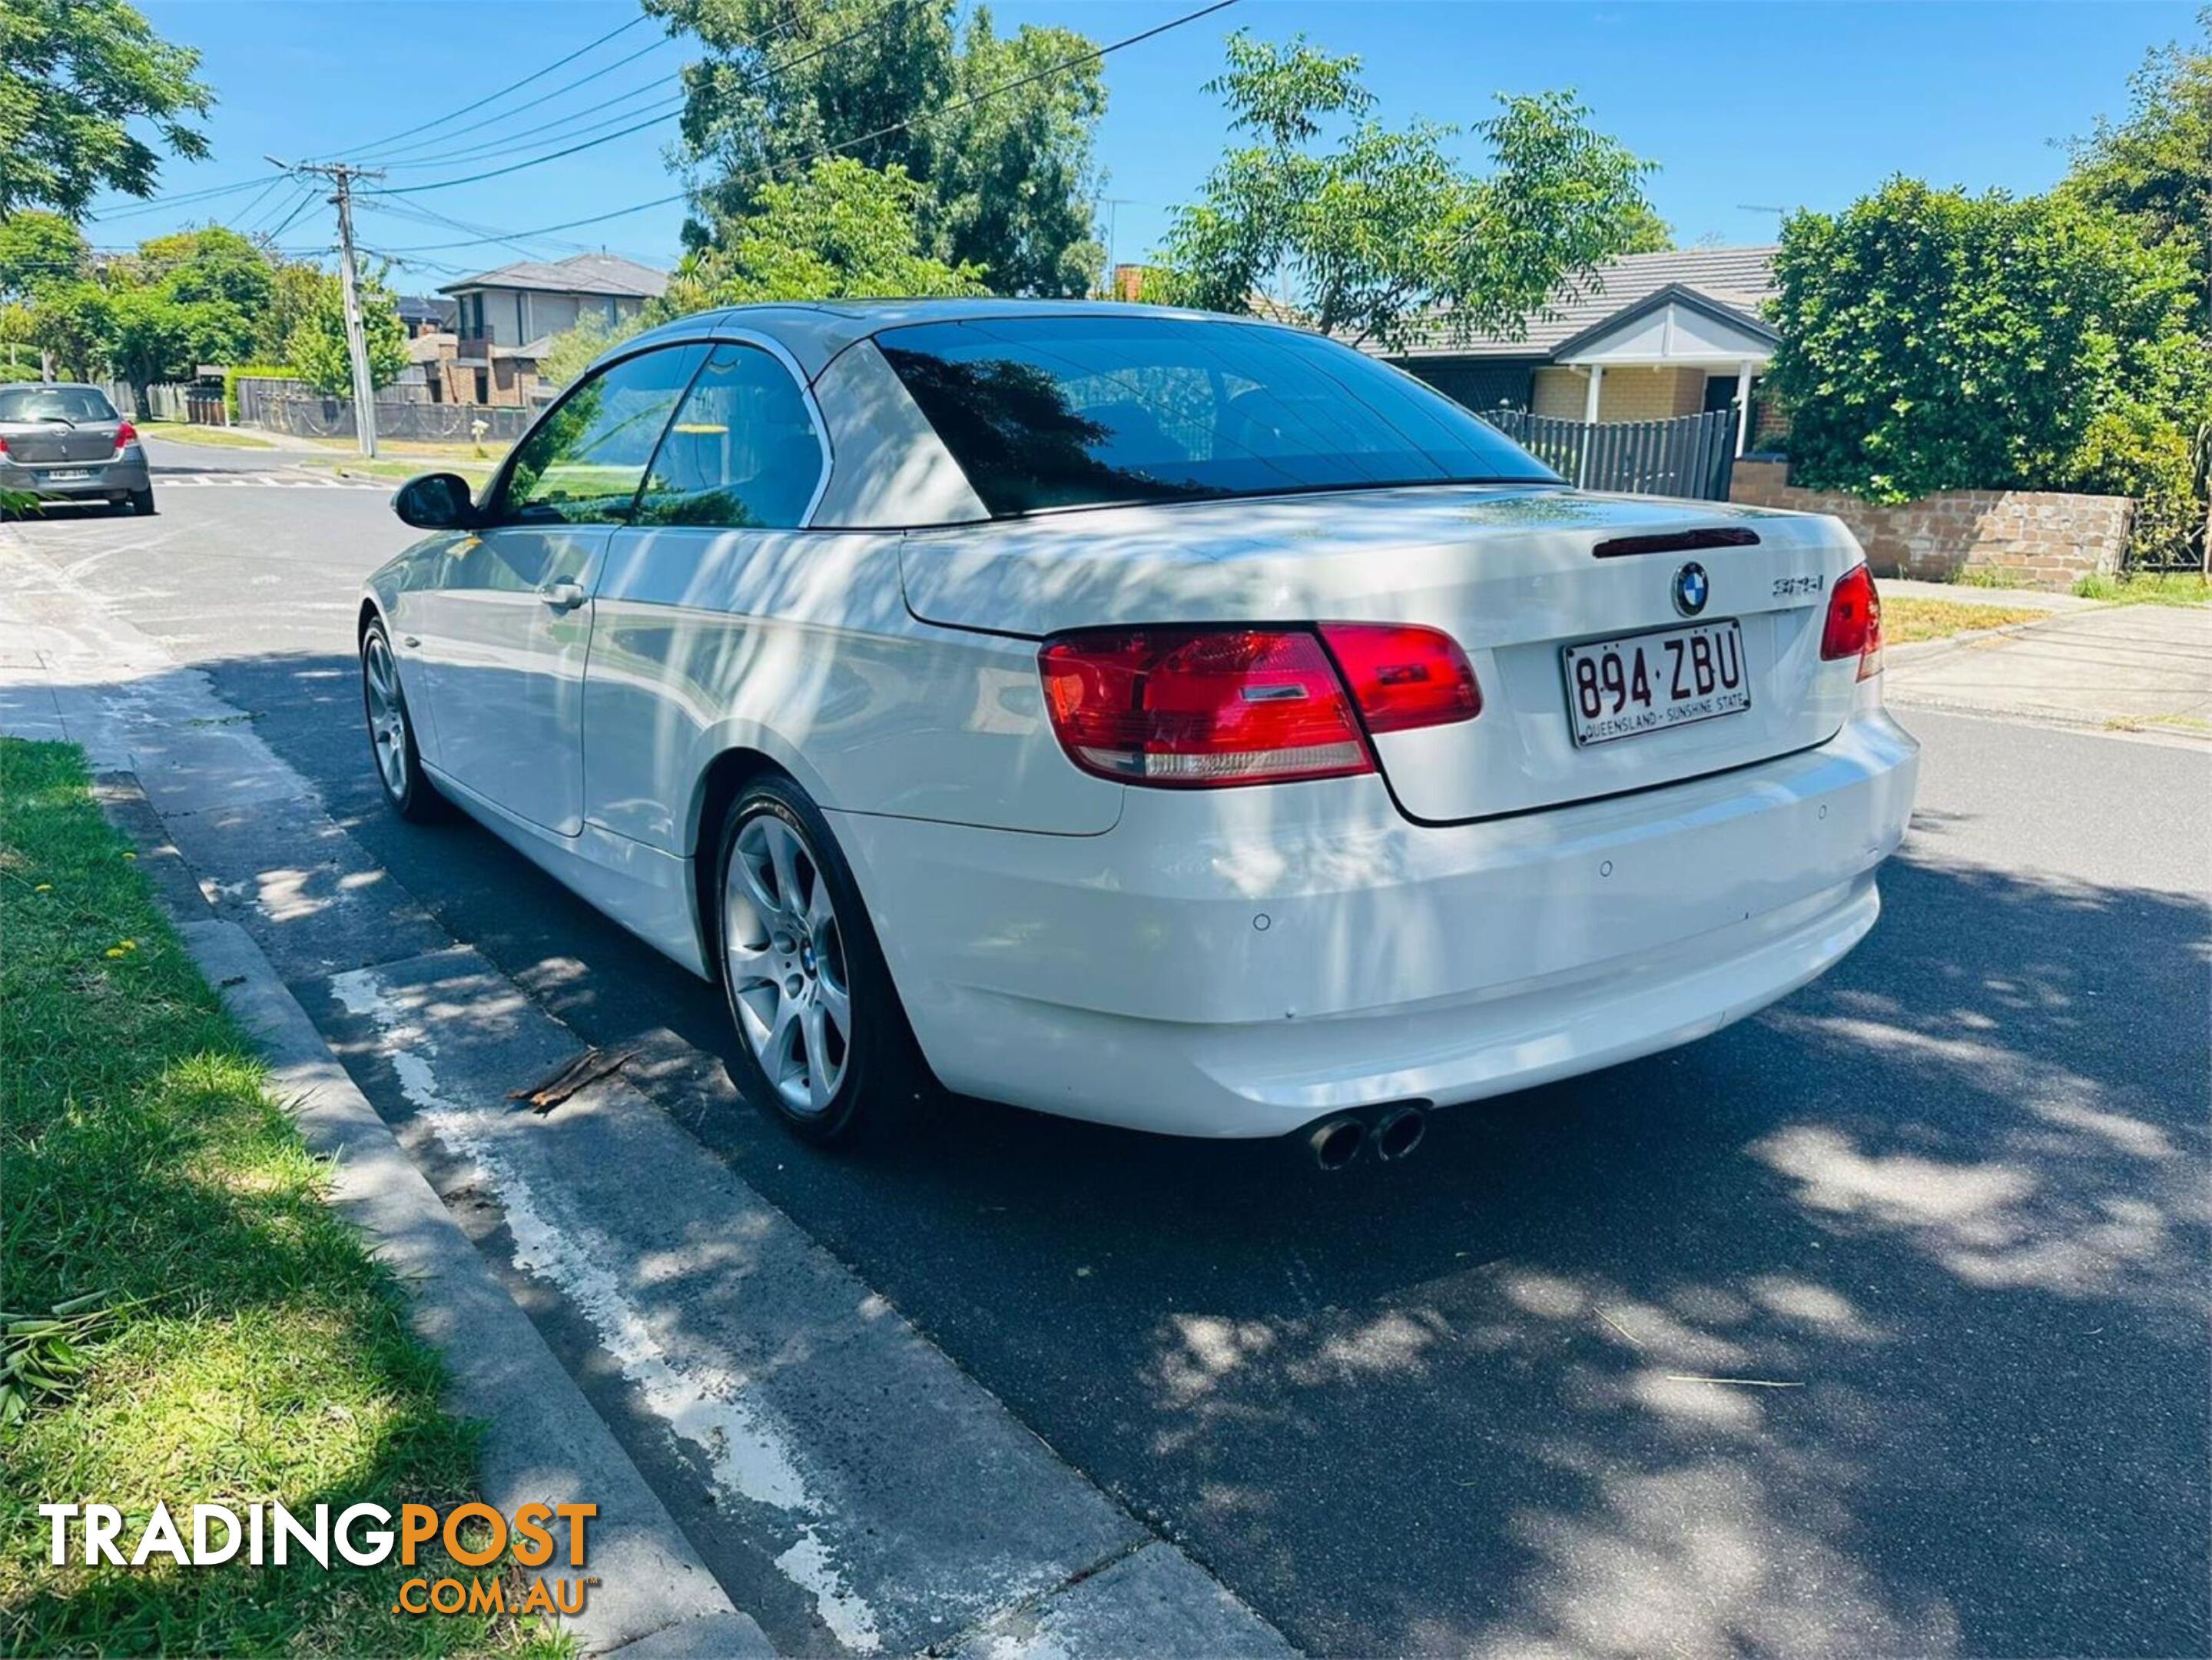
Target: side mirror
point(435, 500)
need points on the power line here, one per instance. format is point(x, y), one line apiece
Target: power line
point(765, 72)
point(512, 86)
point(389, 158)
point(159, 203)
point(1092, 55)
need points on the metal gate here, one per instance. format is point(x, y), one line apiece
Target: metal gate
point(1694, 455)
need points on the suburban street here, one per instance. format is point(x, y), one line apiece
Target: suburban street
point(1874, 1323)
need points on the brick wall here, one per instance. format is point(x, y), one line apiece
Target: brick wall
point(1628, 394)
point(2039, 538)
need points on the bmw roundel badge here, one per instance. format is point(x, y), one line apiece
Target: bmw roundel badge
point(1691, 589)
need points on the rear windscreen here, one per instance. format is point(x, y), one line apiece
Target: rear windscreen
point(71, 403)
point(1066, 411)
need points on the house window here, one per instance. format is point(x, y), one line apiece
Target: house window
point(483, 385)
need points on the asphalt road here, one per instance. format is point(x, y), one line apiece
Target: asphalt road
point(1945, 1210)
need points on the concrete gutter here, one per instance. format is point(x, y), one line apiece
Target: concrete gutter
point(543, 1442)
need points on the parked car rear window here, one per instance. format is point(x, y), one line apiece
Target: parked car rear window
point(1062, 411)
point(46, 403)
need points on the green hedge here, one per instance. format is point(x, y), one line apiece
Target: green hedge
point(249, 371)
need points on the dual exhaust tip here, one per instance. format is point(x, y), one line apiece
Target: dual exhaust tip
point(1338, 1143)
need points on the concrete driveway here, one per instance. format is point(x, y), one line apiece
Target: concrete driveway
point(1876, 1324)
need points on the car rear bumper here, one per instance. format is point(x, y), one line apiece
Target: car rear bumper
point(1239, 962)
point(103, 481)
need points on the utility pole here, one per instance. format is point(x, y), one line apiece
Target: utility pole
point(342, 179)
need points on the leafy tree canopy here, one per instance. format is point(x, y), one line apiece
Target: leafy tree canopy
point(39, 251)
point(214, 264)
point(1932, 340)
point(74, 76)
point(2156, 166)
point(841, 230)
point(72, 322)
point(317, 349)
point(153, 336)
point(1375, 226)
point(1007, 179)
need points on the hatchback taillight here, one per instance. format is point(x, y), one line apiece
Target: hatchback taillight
point(125, 433)
point(1199, 708)
point(1854, 625)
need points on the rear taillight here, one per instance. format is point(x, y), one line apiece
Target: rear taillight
point(1204, 708)
point(3, 446)
point(1403, 677)
point(1854, 625)
point(126, 433)
point(1201, 708)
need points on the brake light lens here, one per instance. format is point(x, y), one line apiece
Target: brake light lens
point(1854, 625)
point(1403, 677)
point(1201, 709)
point(125, 433)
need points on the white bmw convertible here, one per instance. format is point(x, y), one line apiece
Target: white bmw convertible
point(1173, 720)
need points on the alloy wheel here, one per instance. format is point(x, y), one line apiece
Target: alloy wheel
point(387, 716)
point(785, 955)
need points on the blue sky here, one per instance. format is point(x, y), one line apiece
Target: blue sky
point(1745, 106)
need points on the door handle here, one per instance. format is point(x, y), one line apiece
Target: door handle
point(563, 595)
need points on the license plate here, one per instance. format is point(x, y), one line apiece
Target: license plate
point(1649, 682)
point(66, 475)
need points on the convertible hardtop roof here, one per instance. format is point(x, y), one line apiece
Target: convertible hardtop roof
point(816, 331)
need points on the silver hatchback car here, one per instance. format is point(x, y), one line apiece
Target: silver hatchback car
point(66, 443)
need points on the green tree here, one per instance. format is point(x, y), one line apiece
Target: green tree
point(1932, 340)
point(74, 76)
point(212, 263)
point(153, 336)
point(1377, 227)
point(888, 83)
point(317, 349)
point(37, 251)
point(841, 230)
point(2156, 166)
point(1647, 233)
point(71, 324)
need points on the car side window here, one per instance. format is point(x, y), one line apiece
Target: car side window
point(743, 452)
point(583, 463)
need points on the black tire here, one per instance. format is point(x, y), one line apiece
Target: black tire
point(876, 1083)
point(142, 503)
point(392, 747)
point(118, 507)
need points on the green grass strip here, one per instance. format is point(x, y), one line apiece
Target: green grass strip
point(244, 1347)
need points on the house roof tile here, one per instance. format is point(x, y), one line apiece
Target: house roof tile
point(1741, 279)
point(581, 273)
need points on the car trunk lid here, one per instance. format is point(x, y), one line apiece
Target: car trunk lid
point(39, 443)
point(1514, 574)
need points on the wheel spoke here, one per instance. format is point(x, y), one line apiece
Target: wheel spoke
point(751, 866)
point(820, 1083)
point(782, 847)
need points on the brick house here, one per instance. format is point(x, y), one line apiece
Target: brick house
point(1647, 336)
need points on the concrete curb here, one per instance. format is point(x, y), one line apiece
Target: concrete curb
point(543, 1440)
